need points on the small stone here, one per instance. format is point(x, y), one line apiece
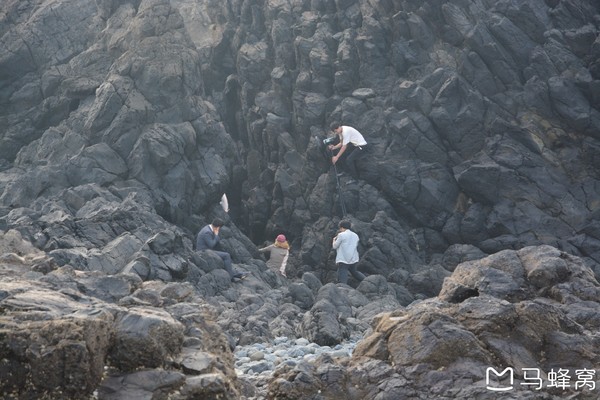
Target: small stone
point(257, 356)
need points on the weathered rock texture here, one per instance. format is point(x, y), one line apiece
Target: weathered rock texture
point(123, 122)
point(535, 308)
point(58, 340)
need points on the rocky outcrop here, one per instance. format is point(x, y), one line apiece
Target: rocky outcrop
point(132, 119)
point(530, 310)
point(59, 339)
point(67, 333)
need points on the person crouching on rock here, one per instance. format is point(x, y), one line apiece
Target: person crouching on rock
point(208, 239)
point(346, 245)
point(352, 145)
point(278, 254)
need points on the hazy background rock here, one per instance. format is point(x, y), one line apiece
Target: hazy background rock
point(481, 121)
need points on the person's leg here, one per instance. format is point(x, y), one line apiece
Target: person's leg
point(342, 273)
point(354, 155)
point(226, 261)
point(356, 274)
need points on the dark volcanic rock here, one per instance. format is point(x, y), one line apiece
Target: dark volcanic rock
point(123, 123)
point(481, 123)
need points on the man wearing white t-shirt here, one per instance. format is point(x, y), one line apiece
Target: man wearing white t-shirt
point(346, 245)
point(352, 143)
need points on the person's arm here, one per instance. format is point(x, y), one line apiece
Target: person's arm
point(337, 240)
point(201, 243)
point(339, 154)
point(338, 144)
point(218, 245)
point(284, 262)
point(209, 239)
point(266, 249)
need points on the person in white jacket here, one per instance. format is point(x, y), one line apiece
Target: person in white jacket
point(346, 245)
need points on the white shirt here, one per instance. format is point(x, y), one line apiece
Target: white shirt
point(351, 135)
point(346, 244)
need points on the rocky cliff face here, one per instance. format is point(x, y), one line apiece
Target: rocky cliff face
point(483, 120)
point(123, 122)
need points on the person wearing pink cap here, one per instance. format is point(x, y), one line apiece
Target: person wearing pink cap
point(278, 254)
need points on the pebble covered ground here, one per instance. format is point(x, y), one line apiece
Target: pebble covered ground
point(256, 363)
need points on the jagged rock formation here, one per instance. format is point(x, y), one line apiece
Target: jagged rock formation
point(535, 308)
point(122, 123)
point(60, 338)
point(483, 119)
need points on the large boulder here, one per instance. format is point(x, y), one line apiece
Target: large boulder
point(63, 335)
point(145, 339)
point(51, 342)
point(533, 318)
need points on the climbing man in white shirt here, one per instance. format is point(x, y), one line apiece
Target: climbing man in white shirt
point(352, 143)
point(346, 245)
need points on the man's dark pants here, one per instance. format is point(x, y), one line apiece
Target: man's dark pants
point(226, 261)
point(356, 153)
point(343, 270)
